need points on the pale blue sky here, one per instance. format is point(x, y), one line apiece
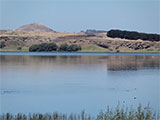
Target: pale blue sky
point(77, 15)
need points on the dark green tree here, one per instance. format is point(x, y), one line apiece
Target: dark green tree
point(45, 47)
point(51, 47)
point(73, 48)
point(133, 35)
point(63, 47)
point(33, 48)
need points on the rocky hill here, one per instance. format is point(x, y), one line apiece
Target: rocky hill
point(35, 28)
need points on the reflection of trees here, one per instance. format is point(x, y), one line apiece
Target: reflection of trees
point(132, 62)
point(113, 62)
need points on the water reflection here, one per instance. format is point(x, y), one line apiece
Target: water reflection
point(112, 62)
point(67, 83)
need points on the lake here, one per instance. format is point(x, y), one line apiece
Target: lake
point(72, 82)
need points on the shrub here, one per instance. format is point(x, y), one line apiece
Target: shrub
point(43, 47)
point(51, 47)
point(118, 51)
point(19, 48)
point(73, 48)
point(63, 47)
point(47, 47)
point(33, 48)
point(2, 44)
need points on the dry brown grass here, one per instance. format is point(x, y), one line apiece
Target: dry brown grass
point(73, 38)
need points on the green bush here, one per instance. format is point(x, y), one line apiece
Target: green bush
point(63, 47)
point(46, 47)
point(69, 48)
point(19, 48)
point(73, 48)
point(33, 48)
point(2, 44)
point(51, 47)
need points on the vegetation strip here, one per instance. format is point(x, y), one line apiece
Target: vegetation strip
point(116, 114)
point(133, 35)
point(48, 47)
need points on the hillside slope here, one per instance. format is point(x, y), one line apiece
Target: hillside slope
point(12, 40)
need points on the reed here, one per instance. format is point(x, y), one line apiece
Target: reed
point(119, 113)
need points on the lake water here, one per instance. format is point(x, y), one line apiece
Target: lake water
point(72, 82)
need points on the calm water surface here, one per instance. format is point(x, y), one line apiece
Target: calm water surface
point(71, 82)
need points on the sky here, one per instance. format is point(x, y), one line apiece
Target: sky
point(77, 15)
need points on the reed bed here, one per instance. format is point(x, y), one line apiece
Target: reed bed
point(119, 113)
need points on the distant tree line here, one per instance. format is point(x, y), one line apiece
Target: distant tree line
point(48, 47)
point(92, 31)
point(132, 35)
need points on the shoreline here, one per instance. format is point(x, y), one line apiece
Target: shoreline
point(84, 51)
point(74, 53)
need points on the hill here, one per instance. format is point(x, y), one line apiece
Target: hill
point(35, 28)
point(20, 40)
